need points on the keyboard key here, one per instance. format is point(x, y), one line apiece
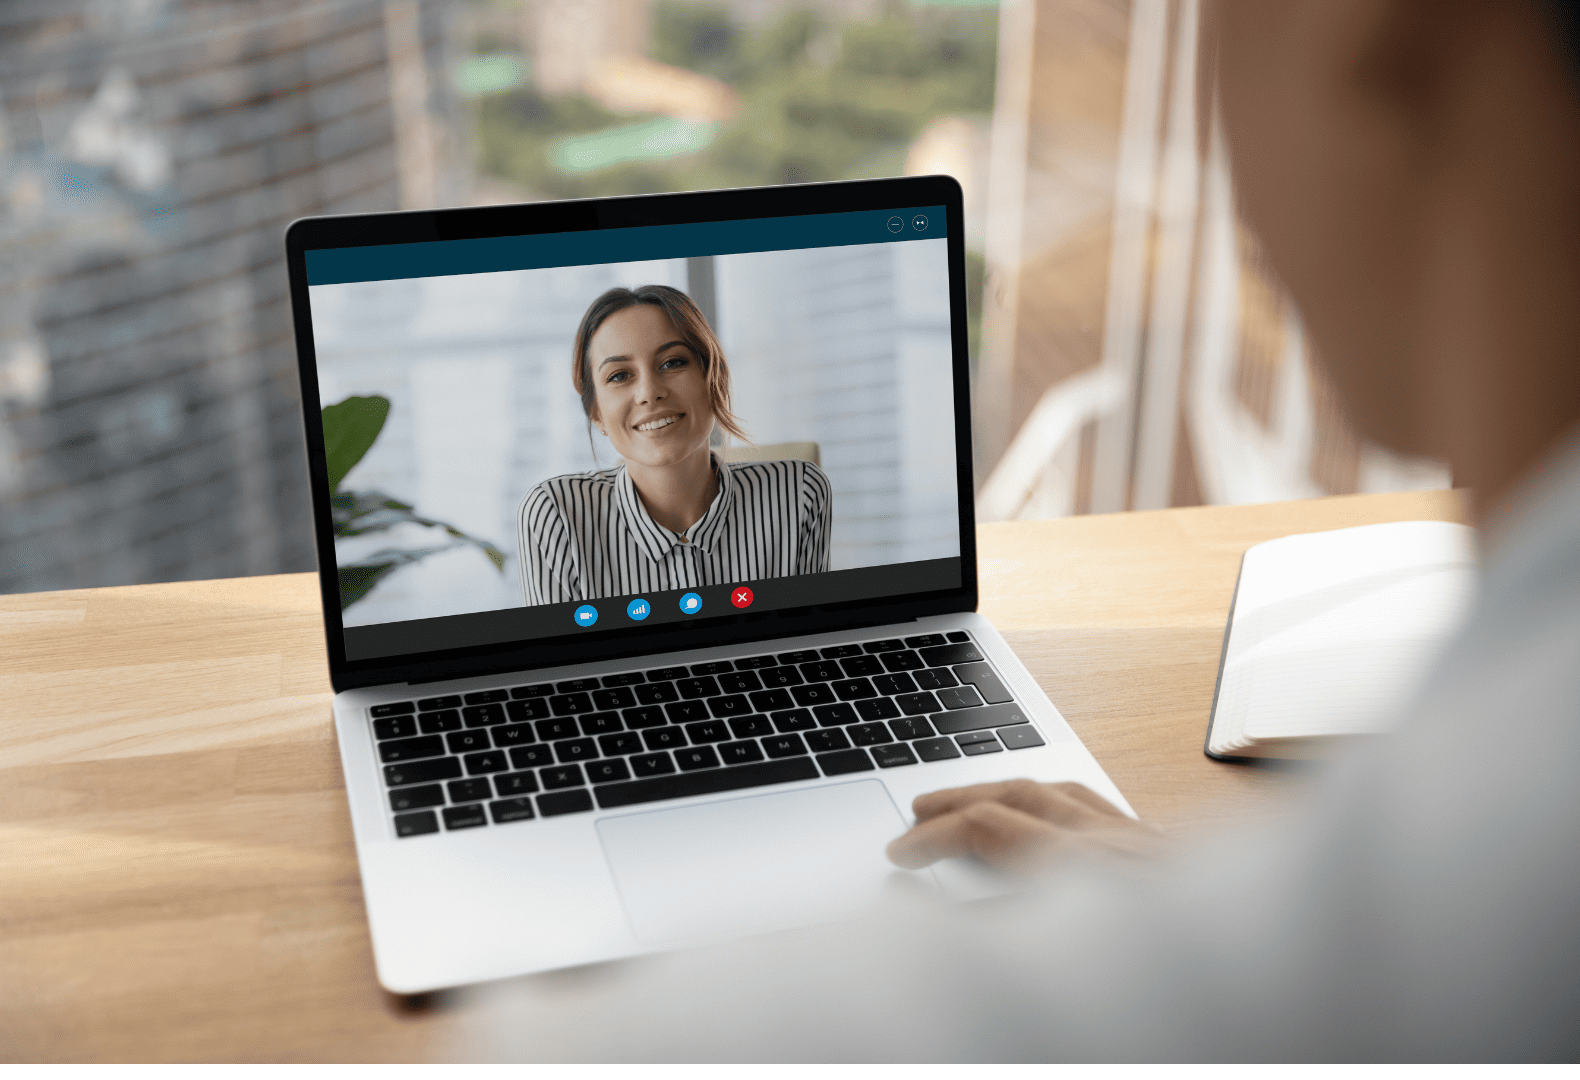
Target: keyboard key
point(511, 810)
point(466, 742)
point(538, 690)
point(911, 727)
point(516, 783)
point(429, 704)
point(935, 749)
point(391, 708)
point(740, 682)
point(746, 727)
point(625, 678)
point(857, 667)
point(530, 757)
point(950, 655)
point(753, 663)
point(905, 660)
point(395, 727)
point(934, 678)
point(483, 697)
point(561, 776)
point(684, 712)
point(489, 761)
point(922, 641)
point(627, 742)
point(801, 657)
point(891, 757)
point(707, 731)
point(733, 705)
point(868, 734)
point(464, 817)
point(771, 700)
point(422, 772)
point(561, 727)
point(434, 722)
point(663, 738)
point(618, 698)
point(646, 716)
point(821, 671)
point(830, 739)
point(564, 802)
point(715, 667)
point(833, 652)
point(794, 720)
point(839, 713)
point(706, 782)
point(1020, 738)
point(657, 693)
point(974, 736)
point(408, 749)
point(815, 694)
point(692, 689)
point(577, 686)
point(917, 704)
point(601, 723)
point(877, 709)
point(977, 719)
point(986, 681)
point(483, 715)
point(417, 824)
point(780, 676)
point(531, 709)
point(887, 645)
point(741, 753)
point(576, 750)
point(891, 685)
point(959, 697)
point(570, 704)
point(853, 689)
point(415, 798)
point(845, 761)
point(604, 772)
point(782, 746)
point(958, 636)
point(470, 790)
point(982, 747)
point(696, 757)
point(667, 674)
point(652, 764)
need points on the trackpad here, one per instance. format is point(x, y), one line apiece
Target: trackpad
point(753, 863)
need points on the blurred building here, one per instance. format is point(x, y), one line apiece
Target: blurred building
point(151, 156)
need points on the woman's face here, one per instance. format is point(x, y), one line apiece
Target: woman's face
point(651, 394)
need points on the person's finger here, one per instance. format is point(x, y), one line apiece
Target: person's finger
point(1068, 804)
point(1082, 793)
point(997, 834)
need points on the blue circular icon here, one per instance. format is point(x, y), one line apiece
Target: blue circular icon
point(586, 615)
point(639, 609)
point(691, 603)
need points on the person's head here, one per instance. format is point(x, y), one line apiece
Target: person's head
point(1412, 168)
point(651, 374)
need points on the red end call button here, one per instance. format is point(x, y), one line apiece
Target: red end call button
point(741, 596)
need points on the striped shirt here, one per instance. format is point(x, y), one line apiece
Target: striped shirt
point(587, 535)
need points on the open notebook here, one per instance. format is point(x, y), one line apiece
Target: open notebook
point(1330, 632)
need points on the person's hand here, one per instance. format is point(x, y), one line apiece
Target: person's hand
point(1020, 825)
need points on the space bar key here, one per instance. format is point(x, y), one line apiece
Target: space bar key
point(708, 782)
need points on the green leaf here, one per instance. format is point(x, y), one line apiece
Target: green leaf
point(349, 430)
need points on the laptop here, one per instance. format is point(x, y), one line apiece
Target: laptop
point(577, 721)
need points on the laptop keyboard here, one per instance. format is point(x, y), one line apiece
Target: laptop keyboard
point(524, 752)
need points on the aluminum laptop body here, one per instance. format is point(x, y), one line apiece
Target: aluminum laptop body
point(532, 786)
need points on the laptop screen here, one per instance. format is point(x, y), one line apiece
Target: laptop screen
point(617, 430)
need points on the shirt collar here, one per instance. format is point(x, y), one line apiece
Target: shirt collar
point(656, 541)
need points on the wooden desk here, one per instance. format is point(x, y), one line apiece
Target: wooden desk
point(177, 877)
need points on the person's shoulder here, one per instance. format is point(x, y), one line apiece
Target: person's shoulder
point(558, 490)
point(803, 475)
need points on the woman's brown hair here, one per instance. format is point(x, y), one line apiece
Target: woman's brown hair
point(694, 331)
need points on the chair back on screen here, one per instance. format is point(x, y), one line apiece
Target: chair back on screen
point(785, 451)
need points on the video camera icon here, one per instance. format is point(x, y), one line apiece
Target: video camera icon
point(586, 615)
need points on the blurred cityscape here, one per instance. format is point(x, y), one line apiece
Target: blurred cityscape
point(1130, 349)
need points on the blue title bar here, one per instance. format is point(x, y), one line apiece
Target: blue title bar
point(440, 258)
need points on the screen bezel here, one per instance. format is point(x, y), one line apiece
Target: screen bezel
point(368, 230)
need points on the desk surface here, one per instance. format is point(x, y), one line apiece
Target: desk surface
point(177, 876)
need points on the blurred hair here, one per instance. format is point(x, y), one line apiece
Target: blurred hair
point(694, 330)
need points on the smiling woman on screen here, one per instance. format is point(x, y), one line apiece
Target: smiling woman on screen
point(653, 378)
